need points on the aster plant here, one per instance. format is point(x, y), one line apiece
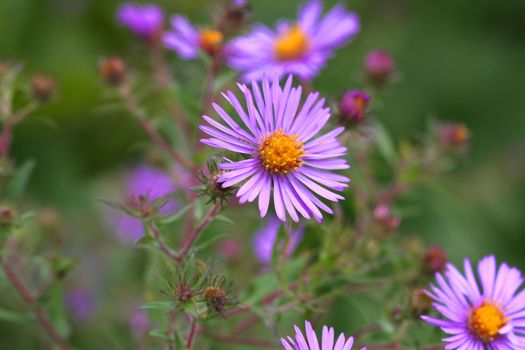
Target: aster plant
point(245, 122)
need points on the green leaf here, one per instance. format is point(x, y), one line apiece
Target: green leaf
point(166, 220)
point(209, 239)
point(159, 333)
point(385, 144)
point(15, 317)
point(18, 182)
point(158, 305)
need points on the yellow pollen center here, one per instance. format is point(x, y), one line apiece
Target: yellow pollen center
point(211, 40)
point(292, 44)
point(281, 153)
point(486, 321)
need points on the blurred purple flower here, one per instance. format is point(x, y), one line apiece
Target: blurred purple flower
point(188, 41)
point(264, 240)
point(81, 302)
point(299, 47)
point(151, 183)
point(145, 21)
point(139, 322)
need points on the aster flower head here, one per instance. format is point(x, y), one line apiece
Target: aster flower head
point(300, 47)
point(311, 342)
point(283, 152)
point(149, 184)
point(490, 317)
point(264, 240)
point(145, 21)
point(188, 41)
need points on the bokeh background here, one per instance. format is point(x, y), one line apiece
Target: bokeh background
point(457, 60)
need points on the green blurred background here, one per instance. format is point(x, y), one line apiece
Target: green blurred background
point(458, 60)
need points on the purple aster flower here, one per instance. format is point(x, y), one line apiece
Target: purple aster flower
point(145, 21)
point(490, 317)
point(283, 151)
point(189, 41)
point(150, 183)
point(311, 342)
point(264, 240)
point(300, 47)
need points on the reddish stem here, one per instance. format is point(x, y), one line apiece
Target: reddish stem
point(152, 133)
point(192, 333)
point(191, 239)
point(163, 245)
point(41, 315)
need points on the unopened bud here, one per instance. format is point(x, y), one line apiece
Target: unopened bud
point(49, 219)
point(7, 216)
point(113, 70)
point(420, 301)
point(353, 106)
point(216, 299)
point(234, 16)
point(183, 293)
point(230, 249)
point(385, 219)
point(453, 135)
point(379, 67)
point(435, 259)
point(43, 87)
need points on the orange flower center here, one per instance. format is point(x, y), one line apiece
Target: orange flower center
point(211, 40)
point(281, 153)
point(292, 44)
point(486, 321)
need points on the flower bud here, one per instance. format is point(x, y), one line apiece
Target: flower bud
point(216, 299)
point(435, 259)
point(113, 70)
point(420, 302)
point(7, 216)
point(183, 293)
point(353, 106)
point(211, 186)
point(379, 67)
point(49, 219)
point(234, 16)
point(383, 217)
point(230, 249)
point(43, 87)
point(453, 135)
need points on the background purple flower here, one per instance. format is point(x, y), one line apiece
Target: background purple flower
point(151, 183)
point(300, 48)
point(264, 240)
point(145, 21)
point(81, 302)
point(188, 41)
